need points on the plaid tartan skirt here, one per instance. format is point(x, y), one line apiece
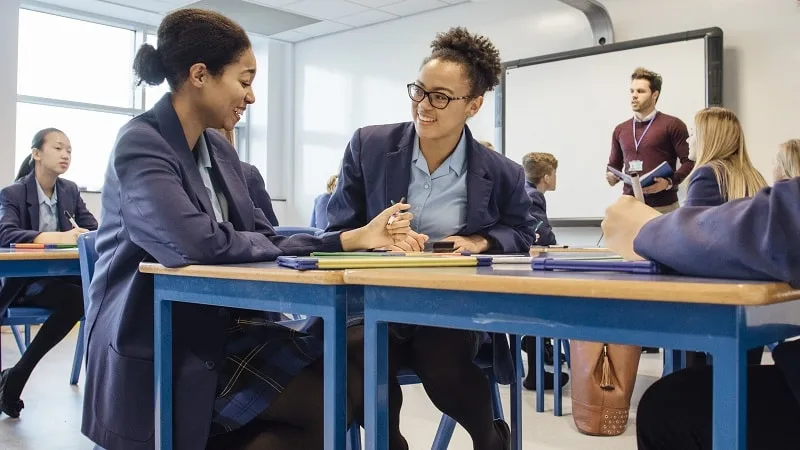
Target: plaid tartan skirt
point(261, 359)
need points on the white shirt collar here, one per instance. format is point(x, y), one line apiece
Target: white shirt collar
point(646, 118)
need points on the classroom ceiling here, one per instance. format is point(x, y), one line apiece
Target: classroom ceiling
point(286, 20)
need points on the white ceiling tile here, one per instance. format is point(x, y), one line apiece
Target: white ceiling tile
point(290, 36)
point(366, 18)
point(276, 3)
point(325, 9)
point(408, 7)
point(374, 3)
point(320, 28)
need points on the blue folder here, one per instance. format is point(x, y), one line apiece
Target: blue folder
point(334, 263)
point(577, 265)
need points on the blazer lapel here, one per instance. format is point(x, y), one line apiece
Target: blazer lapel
point(33, 201)
point(170, 128)
point(233, 185)
point(398, 167)
point(479, 187)
point(64, 198)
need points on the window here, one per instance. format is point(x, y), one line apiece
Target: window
point(91, 133)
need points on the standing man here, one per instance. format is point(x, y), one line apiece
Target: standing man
point(651, 137)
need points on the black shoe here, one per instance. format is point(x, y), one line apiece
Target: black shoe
point(649, 349)
point(504, 431)
point(529, 382)
point(10, 406)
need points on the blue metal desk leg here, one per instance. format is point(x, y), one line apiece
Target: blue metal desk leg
point(335, 384)
point(516, 394)
point(730, 398)
point(163, 372)
point(539, 374)
point(672, 361)
point(376, 386)
point(557, 377)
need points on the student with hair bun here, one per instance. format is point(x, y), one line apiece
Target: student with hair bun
point(175, 193)
point(459, 191)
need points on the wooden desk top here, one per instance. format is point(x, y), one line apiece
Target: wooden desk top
point(266, 271)
point(7, 254)
point(520, 279)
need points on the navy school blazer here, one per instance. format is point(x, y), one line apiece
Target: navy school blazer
point(703, 188)
point(258, 192)
point(376, 169)
point(156, 208)
point(19, 221)
point(539, 212)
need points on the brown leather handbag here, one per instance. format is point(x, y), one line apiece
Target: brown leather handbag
point(603, 377)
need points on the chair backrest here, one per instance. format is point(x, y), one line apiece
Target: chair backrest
point(88, 258)
point(288, 231)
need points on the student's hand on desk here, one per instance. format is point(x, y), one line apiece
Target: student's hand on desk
point(379, 232)
point(660, 184)
point(414, 242)
point(624, 219)
point(71, 236)
point(472, 244)
point(611, 178)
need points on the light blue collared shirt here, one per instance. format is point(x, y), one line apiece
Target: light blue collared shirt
point(48, 210)
point(439, 200)
point(218, 201)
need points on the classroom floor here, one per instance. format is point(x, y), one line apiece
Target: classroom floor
point(52, 416)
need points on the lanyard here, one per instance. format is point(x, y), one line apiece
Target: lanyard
point(635, 142)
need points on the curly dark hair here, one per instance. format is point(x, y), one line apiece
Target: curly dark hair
point(476, 54)
point(186, 37)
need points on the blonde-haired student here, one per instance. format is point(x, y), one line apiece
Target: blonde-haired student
point(723, 172)
point(787, 161)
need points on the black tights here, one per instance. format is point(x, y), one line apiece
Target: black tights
point(65, 298)
point(295, 420)
point(443, 359)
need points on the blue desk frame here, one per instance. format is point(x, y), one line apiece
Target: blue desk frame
point(40, 268)
point(330, 302)
point(725, 331)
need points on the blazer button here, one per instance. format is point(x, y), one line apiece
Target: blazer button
point(209, 365)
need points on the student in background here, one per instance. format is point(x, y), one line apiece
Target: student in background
point(175, 193)
point(787, 161)
point(255, 184)
point(319, 214)
point(746, 239)
point(650, 138)
point(540, 177)
point(459, 191)
point(34, 209)
point(722, 172)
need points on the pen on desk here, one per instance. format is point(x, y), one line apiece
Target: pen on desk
point(637, 187)
point(71, 219)
point(391, 219)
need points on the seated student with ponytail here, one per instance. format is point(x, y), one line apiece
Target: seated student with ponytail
point(34, 210)
point(175, 193)
point(722, 172)
point(459, 191)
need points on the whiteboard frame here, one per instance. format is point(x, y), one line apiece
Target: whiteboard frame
point(713, 64)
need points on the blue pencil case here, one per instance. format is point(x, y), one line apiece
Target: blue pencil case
point(577, 265)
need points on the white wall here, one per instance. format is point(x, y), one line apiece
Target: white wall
point(9, 36)
point(358, 77)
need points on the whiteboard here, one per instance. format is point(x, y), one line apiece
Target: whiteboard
point(570, 108)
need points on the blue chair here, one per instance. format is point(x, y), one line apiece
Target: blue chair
point(558, 346)
point(288, 231)
point(15, 316)
point(447, 424)
point(88, 259)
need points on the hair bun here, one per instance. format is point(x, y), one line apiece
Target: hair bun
point(475, 51)
point(148, 67)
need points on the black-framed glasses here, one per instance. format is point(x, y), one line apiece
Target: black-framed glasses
point(438, 100)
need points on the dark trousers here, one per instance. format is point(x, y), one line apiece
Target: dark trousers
point(675, 413)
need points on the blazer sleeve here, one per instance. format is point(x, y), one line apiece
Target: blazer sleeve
point(753, 238)
point(11, 230)
point(161, 218)
point(347, 206)
point(514, 231)
point(545, 231)
point(703, 188)
point(258, 193)
point(83, 217)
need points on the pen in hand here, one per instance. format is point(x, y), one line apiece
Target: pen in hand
point(394, 216)
point(71, 219)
